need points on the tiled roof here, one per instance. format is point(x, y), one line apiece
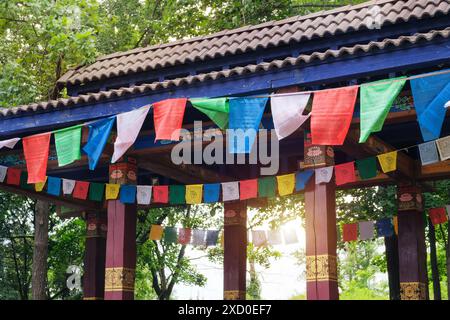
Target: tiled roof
point(265, 66)
point(251, 38)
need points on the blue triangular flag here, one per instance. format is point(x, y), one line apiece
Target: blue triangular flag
point(54, 186)
point(384, 227)
point(245, 114)
point(98, 136)
point(302, 178)
point(127, 193)
point(211, 192)
point(430, 96)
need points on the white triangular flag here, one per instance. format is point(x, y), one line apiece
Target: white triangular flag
point(144, 194)
point(10, 143)
point(287, 113)
point(230, 191)
point(259, 238)
point(128, 126)
point(3, 171)
point(324, 175)
point(68, 186)
point(366, 230)
point(199, 238)
point(274, 237)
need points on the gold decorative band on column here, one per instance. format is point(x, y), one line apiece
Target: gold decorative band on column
point(321, 268)
point(119, 279)
point(413, 291)
point(92, 298)
point(234, 295)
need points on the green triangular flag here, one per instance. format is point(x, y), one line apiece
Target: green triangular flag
point(170, 235)
point(367, 168)
point(23, 181)
point(96, 191)
point(67, 142)
point(177, 194)
point(376, 100)
point(267, 187)
point(216, 109)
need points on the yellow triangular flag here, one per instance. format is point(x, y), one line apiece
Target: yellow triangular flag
point(112, 191)
point(39, 186)
point(156, 232)
point(194, 193)
point(395, 220)
point(388, 161)
point(286, 184)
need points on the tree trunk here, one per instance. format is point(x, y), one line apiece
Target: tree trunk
point(391, 245)
point(40, 253)
point(434, 263)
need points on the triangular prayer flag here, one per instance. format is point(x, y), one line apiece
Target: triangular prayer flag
point(211, 192)
point(286, 184)
point(170, 235)
point(366, 230)
point(128, 126)
point(112, 191)
point(388, 161)
point(323, 175)
point(428, 153)
point(211, 237)
point(259, 238)
point(376, 99)
point(144, 194)
point(168, 118)
point(230, 191)
point(39, 186)
point(395, 223)
point(156, 232)
point(384, 227)
point(68, 186)
point(10, 143)
point(3, 171)
point(198, 238)
point(430, 94)
point(267, 187)
point(248, 189)
point(35, 149)
point(274, 237)
point(184, 235)
point(287, 113)
point(345, 173)
point(67, 144)
point(350, 232)
point(367, 168)
point(96, 191)
point(216, 109)
point(443, 145)
point(54, 186)
point(438, 215)
point(160, 194)
point(302, 178)
point(290, 236)
point(194, 193)
point(177, 194)
point(13, 176)
point(99, 132)
point(331, 115)
point(81, 190)
point(23, 181)
point(127, 193)
point(245, 117)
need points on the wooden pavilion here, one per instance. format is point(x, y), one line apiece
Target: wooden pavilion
point(349, 45)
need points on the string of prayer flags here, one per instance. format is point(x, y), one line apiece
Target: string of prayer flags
point(177, 194)
point(286, 184)
point(156, 232)
point(39, 186)
point(99, 132)
point(96, 191)
point(10, 143)
point(128, 126)
point(287, 113)
point(246, 115)
point(430, 94)
point(112, 191)
point(302, 178)
point(230, 191)
point(438, 215)
point(376, 99)
point(366, 230)
point(331, 115)
point(395, 223)
point(194, 193)
point(170, 235)
point(384, 227)
point(198, 238)
point(54, 186)
point(35, 149)
point(211, 237)
point(184, 236)
point(168, 118)
point(350, 232)
point(443, 145)
point(323, 175)
point(216, 109)
point(3, 171)
point(211, 192)
point(428, 153)
point(345, 173)
point(259, 238)
point(290, 236)
point(367, 168)
point(67, 144)
point(248, 189)
point(144, 194)
point(68, 186)
point(388, 161)
point(160, 194)
point(81, 190)
point(274, 237)
point(267, 187)
point(127, 193)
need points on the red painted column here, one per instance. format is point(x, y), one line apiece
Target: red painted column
point(94, 257)
point(235, 250)
point(411, 244)
point(121, 238)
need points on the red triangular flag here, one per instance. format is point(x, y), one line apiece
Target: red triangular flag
point(248, 189)
point(168, 118)
point(161, 194)
point(81, 190)
point(350, 232)
point(438, 215)
point(13, 176)
point(331, 115)
point(35, 149)
point(345, 173)
point(184, 235)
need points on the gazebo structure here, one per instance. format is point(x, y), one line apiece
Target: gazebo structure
point(349, 45)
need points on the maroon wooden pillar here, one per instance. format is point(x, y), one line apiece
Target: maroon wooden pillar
point(321, 235)
point(94, 256)
point(411, 243)
point(121, 237)
point(235, 250)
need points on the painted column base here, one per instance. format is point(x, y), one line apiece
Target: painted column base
point(413, 291)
